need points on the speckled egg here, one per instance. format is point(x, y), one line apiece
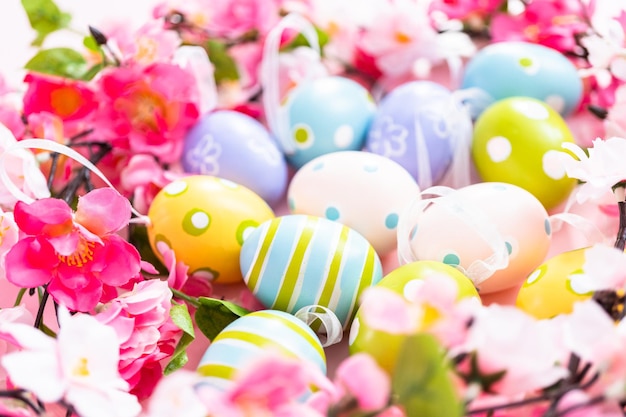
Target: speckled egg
point(508, 69)
point(246, 338)
point(496, 233)
point(519, 141)
point(548, 290)
point(327, 114)
point(362, 190)
point(205, 220)
point(385, 346)
point(418, 125)
point(236, 147)
point(296, 260)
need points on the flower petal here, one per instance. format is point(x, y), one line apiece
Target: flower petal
point(49, 216)
point(29, 263)
point(103, 211)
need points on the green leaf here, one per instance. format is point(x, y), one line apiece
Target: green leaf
point(422, 381)
point(91, 43)
point(45, 17)
point(64, 62)
point(181, 318)
point(225, 66)
point(300, 40)
point(213, 315)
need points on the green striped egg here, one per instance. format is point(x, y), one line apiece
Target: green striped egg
point(243, 340)
point(297, 260)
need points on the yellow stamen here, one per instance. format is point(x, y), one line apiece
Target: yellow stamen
point(81, 368)
point(82, 254)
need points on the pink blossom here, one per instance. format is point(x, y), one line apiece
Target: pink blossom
point(384, 309)
point(149, 44)
point(22, 170)
point(552, 23)
point(248, 57)
point(402, 40)
point(76, 254)
point(9, 235)
point(143, 326)
point(9, 316)
point(615, 122)
point(465, 9)
point(147, 109)
point(579, 404)
point(68, 99)
point(11, 109)
point(79, 366)
point(600, 170)
point(176, 395)
point(604, 269)
point(143, 177)
point(360, 376)
point(234, 18)
point(507, 339)
point(296, 66)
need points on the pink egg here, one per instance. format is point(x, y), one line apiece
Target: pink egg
point(496, 233)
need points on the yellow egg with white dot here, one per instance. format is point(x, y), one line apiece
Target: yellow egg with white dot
point(548, 291)
point(205, 220)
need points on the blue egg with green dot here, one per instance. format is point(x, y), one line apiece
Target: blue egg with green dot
point(326, 115)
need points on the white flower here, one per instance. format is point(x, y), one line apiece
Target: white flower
point(601, 170)
point(604, 269)
point(80, 366)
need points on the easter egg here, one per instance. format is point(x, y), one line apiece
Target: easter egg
point(418, 124)
point(339, 186)
point(205, 220)
point(509, 69)
point(236, 147)
point(519, 141)
point(246, 338)
point(296, 260)
point(384, 346)
point(496, 233)
point(327, 114)
point(548, 290)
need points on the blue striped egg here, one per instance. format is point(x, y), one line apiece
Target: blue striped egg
point(243, 340)
point(297, 260)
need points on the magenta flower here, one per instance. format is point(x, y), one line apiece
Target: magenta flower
point(76, 254)
point(148, 109)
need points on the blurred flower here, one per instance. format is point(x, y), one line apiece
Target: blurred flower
point(384, 309)
point(615, 122)
point(604, 269)
point(9, 235)
point(76, 254)
point(601, 170)
point(235, 18)
point(79, 366)
point(176, 395)
point(149, 44)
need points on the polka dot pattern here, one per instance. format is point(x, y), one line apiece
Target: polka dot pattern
point(451, 259)
point(552, 164)
point(499, 148)
point(332, 213)
point(391, 221)
point(196, 222)
point(344, 135)
point(175, 188)
point(303, 136)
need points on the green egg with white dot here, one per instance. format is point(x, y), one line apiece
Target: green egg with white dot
point(519, 141)
point(205, 220)
point(362, 190)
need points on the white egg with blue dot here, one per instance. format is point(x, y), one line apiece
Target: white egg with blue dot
point(327, 114)
point(362, 190)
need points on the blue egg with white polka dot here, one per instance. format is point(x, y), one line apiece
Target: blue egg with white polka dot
point(327, 114)
point(509, 69)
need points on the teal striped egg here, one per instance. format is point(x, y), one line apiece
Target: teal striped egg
point(246, 338)
point(297, 260)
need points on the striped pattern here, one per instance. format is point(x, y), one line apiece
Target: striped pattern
point(297, 260)
point(245, 338)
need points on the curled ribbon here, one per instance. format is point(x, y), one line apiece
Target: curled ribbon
point(330, 324)
point(480, 269)
point(49, 145)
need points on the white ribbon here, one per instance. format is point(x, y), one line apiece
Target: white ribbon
point(52, 146)
point(275, 113)
point(330, 324)
point(589, 229)
point(196, 60)
point(480, 269)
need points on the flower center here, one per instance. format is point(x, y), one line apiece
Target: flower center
point(82, 254)
point(81, 368)
point(402, 38)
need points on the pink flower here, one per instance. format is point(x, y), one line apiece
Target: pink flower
point(507, 339)
point(176, 395)
point(68, 99)
point(9, 235)
point(384, 309)
point(604, 269)
point(297, 66)
point(79, 366)
point(147, 109)
point(22, 169)
point(234, 18)
point(142, 322)
point(149, 44)
point(465, 9)
point(552, 23)
point(359, 376)
point(75, 254)
point(8, 317)
point(602, 169)
point(402, 40)
point(143, 177)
